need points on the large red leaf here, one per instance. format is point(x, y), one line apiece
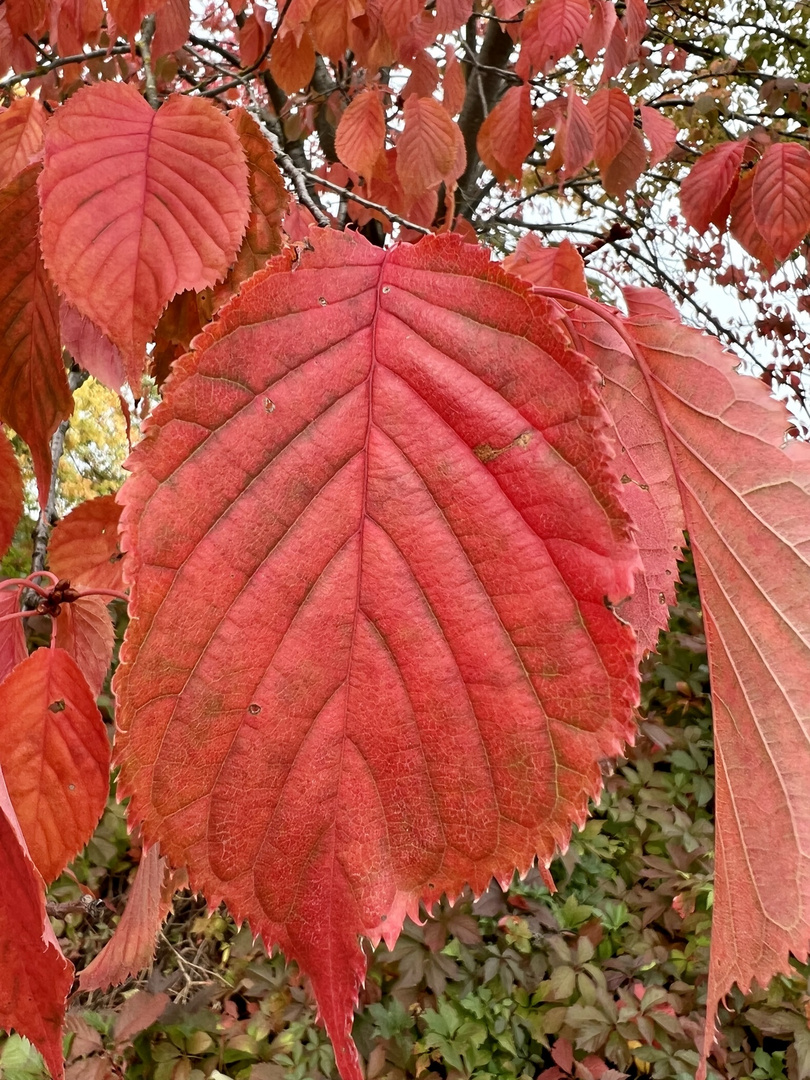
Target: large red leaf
point(21, 132)
point(781, 197)
point(11, 493)
point(406, 473)
point(34, 392)
point(55, 755)
point(84, 546)
point(138, 205)
point(746, 503)
point(36, 976)
point(130, 949)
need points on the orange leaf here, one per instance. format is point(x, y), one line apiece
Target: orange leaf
point(36, 975)
point(268, 203)
point(597, 33)
point(426, 149)
point(21, 135)
point(129, 14)
point(660, 133)
point(11, 493)
point(360, 136)
point(84, 629)
point(138, 205)
point(27, 17)
point(424, 76)
point(292, 61)
point(84, 545)
point(130, 949)
point(34, 392)
point(78, 23)
point(507, 135)
point(454, 88)
point(55, 756)
point(781, 197)
point(612, 115)
point(707, 190)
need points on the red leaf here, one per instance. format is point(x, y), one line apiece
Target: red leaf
point(507, 135)
point(597, 33)
point(131, 948)
point(661, 133)
point(360, 136)
point(424, 77)
point(746, 502)
point(421, 525)
point(137, 1014)
point(650, 486)
point(55, 755)
point(563, 1054)
point(579, 134)
point(84, 629)
point(268, 203)
point(622, 174)
point(635, 24)
point(11, 494)
point(137, 206)
point(34, 393)
point(129, 14)
point(743, 224)
point(254, 33)
point(707, 190)
point(21, 133)
point(454, 88)
point(13, 649)
point(75, 24)
point(781, 197)
point(542, 264)
point(27, 17)
point(172, 23)
point(292, 62)
point(84, 547)
point(551, 30)
point(90, 349)
point(426, 149)
point(652, 302)
point(612, 115)
point(36, 975)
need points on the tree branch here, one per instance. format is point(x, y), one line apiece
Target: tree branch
point(145, 49)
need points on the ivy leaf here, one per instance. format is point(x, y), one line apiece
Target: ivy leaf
point(137, 206)
point(55, 755)
point(409, 471)
point(36, 975)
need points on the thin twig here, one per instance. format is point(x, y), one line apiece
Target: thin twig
point(62, 61)
point(298, 177)
point(145, 49)
point(354, 197)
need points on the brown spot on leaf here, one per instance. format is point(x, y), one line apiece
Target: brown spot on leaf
point(487, 453)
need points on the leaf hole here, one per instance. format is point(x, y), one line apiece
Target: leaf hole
point(57, 706)
point(386, 288)
point(269, 405)
point(322, 301)
point(71, 787)
point(254, 709)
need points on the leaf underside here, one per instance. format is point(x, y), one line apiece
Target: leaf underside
point(394, 478)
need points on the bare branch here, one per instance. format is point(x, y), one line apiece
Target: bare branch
point(145, 49)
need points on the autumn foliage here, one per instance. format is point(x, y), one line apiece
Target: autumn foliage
point(452, 489)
